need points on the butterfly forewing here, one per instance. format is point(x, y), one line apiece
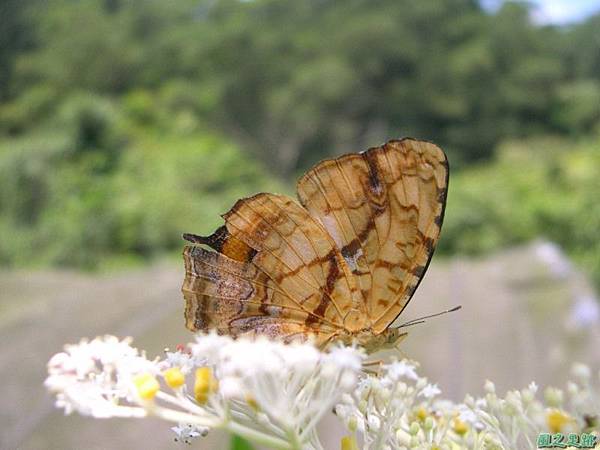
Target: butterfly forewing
point(384, 208)
point(345, 260)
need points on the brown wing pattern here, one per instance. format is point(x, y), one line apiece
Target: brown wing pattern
point(348, 259)
point(384, 209)
point(275, 271)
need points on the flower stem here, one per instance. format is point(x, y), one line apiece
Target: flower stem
point(258, 437)
point(180, 416)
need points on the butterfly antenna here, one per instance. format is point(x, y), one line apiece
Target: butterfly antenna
point(422, 319)
point(411, 323)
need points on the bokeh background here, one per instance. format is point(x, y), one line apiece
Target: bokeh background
point(124, 123)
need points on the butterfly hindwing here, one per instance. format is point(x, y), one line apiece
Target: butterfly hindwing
point(273, 268)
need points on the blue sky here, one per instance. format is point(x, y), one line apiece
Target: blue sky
point(558, 12)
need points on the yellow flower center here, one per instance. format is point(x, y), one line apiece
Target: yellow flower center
point(460, 427)
point(205, 384)
point(147, 385)
point(174, 377)
point(556, 420)
point(421, 414)
point(349, 443)
point(252, 402)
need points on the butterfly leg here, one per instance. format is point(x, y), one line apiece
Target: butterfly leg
point(373, 366)
point(399, 349)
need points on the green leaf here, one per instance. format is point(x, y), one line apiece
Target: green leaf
point(238, 443)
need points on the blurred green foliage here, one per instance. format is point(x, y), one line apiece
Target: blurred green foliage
point(91, 195)
point(125, 122)
point(293, 81)
point(535, 188)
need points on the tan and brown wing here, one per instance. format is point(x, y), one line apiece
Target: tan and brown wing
point(384, 209)
point(274, 270)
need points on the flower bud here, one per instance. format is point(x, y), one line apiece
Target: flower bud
point(553, 396)
point(421, 413)
point(349, 443)
point(572, 389)
point(556, 420)
point(204, 385)
point(174, 377)
point(403, 437)
point(581, 371)
point(374, 422)
point(352, 424)
point(414, 428)
point(527, 396)
point(146, 385)
point(362, 406)
point(460, 427)
point(429, 423)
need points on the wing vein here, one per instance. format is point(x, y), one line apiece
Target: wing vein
point(315, 288)
point(356, 235)
point(319, 184)
point(282, 291)
point(414, 261)
point(249, 302)
point(310, 241)
point(306, 263)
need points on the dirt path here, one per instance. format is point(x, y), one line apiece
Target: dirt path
point(42, 311)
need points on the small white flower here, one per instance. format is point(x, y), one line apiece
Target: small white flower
point(231, 388)
point(401, 369)
point(245, 357)
point(430, 391)
point(585, 312)
point(374, 422)
point(489, 387)
point(467, 415)
point(301, 358)
point(181, 359)
point(93, 378)
point(554, 397)
point(345, 357)
point(581, 372)
point(572, 389)
point(186, 432)
point(551, 255)
point(207, 347)
point(513, 401)
point(348, 380)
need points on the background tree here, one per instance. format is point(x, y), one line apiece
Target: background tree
point(112, 111)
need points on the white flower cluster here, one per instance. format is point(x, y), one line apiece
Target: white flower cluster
point(282, 389)
point(400, 410)
point(266, 391)
point(397, 409)
point(94, 378)
point(275, 394)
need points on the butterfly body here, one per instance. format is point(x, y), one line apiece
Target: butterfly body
point(340, 265)
point(370, 340)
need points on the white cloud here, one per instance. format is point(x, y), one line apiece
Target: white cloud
point(559, 12)
point(562, 12)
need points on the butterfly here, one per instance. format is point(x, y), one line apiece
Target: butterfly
point(340, 265)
